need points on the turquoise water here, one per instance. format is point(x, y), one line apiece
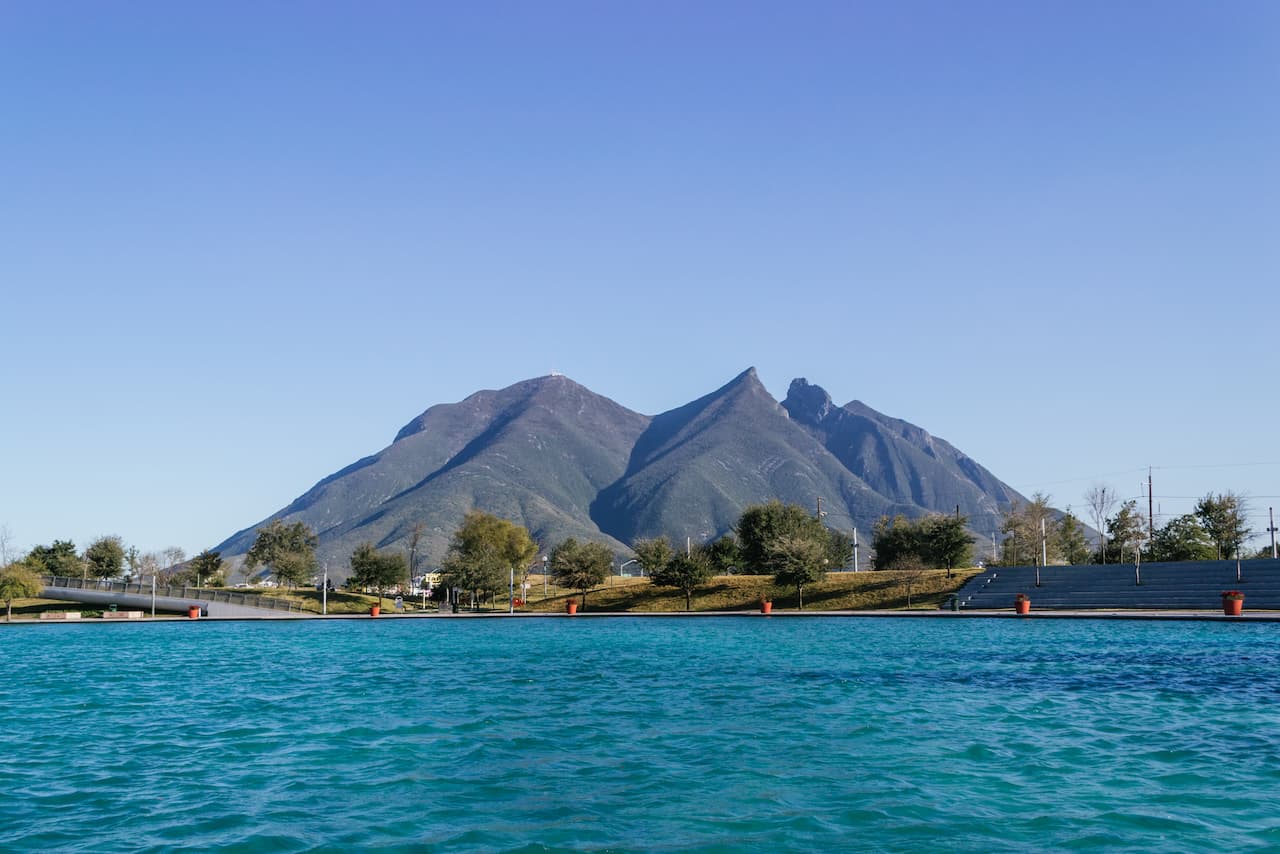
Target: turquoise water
point(641, 734)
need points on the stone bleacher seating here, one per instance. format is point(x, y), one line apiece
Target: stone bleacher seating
point(1192, 585)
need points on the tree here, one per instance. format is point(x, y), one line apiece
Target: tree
point(724, 555)
point(58, 559)
point(1182, 538)
point(1027, 528)
point(1223, 518)
point(379, 570)
point(288, 550)
point(1069, 540)
point(653, 555)
point(173, 556)
point(893, 540)
point(839, 549)
point(1101, 499)
point(798, 559)
point(18, 581)
point(415, 540)
point(580, 566)
point(149, 563)
point(132, 558)
point(484, 553)
point(208, 567)
point(761, 526)
point(938, 540)
point(1126, 530)
point(685, 572)
point(945, 542)
point(6, 545)
point(104, 558)
point(910, 578)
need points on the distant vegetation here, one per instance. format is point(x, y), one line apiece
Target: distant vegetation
point(774, 547)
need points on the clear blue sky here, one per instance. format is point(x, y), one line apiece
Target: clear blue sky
point(241, 244)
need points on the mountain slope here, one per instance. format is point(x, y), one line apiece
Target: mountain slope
point(696, 467)
point(900, 460)
point(537, 453)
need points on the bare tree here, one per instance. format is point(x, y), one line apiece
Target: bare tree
point(415, 540)
point(149, 564)
point(173, 556)
point(7, 550)
point(910, 578)
point(1101, 500)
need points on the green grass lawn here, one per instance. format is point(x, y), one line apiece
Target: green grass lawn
point(844, 591)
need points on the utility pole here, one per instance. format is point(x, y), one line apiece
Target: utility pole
point(1272, 513)
point(324, 591)
point(1151, 514)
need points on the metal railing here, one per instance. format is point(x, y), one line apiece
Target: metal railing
point(249, 600)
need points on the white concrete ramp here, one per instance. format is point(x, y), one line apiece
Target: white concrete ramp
point(139, 595)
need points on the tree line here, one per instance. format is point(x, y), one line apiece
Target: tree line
point(1035, 533)
point(108, 558)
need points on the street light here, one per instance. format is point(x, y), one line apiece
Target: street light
point(628, 563)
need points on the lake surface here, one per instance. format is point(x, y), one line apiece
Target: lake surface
point(641, 734)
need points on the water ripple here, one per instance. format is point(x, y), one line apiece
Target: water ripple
point(641, 735)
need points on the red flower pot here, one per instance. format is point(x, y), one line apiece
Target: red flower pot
point(571, 607)
point(1232, 607)
point(1022, 606)
point(193, 612)
point(375, 610)
point(766, 607)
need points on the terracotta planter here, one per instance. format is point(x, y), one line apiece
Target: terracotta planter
point(375, 610)
point(1022, 606)
point(571, 607)
point(1232, 607)
point(766, 607)
point(193, 612)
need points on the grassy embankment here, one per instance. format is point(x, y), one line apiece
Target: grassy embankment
point(844, 591)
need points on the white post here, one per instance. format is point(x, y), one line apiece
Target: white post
point(855, 549)
point(511, 592)
point(153, 595)
point(1044, 545)
point(324, 592)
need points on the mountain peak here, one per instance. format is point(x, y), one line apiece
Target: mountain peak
point(808, 404)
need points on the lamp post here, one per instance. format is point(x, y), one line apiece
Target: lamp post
point(628, 563)
point(324, 591)
point(544, 577)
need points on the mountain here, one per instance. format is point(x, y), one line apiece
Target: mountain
point(697, 467)
point(896, 458)
point(538, 453)
point(564, 461)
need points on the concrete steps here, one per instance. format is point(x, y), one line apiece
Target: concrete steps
point(1193, 585)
